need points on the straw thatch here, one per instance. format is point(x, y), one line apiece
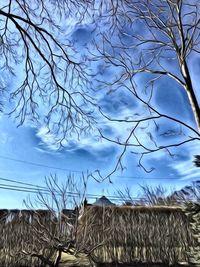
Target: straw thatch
point(126, 234)
point(17, 235)
point(137, 234)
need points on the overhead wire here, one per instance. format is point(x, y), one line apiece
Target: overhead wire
point(37, 189)
point(79, 171)
point(39, 164)
point(70, 194)
point(19, 182)
point(32, 188)
point(19, 190)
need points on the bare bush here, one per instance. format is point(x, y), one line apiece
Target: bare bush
point(48, 229)
point(158, 195)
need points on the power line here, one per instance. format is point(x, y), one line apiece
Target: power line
point(178, 178)
point(69, 193)
point(119, 199)
point(18, 182)
point(39, 164)
point(24, 187)
point(36, 189)
point(32, 190)
point(90, 196)
point(78, 171)
point(20, 190)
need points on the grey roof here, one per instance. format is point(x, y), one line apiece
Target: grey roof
point(103, 201)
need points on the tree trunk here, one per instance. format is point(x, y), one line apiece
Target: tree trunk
point(195, 107)
point(190, 92)
point(58, 258)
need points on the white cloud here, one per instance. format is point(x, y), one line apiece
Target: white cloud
point(91, 143)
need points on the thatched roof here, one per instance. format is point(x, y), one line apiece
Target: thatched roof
point(103, 201)
point(127, 234)
point(138, 233)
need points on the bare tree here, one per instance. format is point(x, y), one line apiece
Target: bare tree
point(51, 225)
point(146, 43)
point(154, 40)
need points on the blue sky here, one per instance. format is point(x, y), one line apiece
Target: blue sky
point(31, 142)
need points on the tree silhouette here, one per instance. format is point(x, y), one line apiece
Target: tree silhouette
point(34, 47)
point(149, 44)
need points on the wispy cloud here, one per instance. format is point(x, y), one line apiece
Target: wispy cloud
point(91, 143)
